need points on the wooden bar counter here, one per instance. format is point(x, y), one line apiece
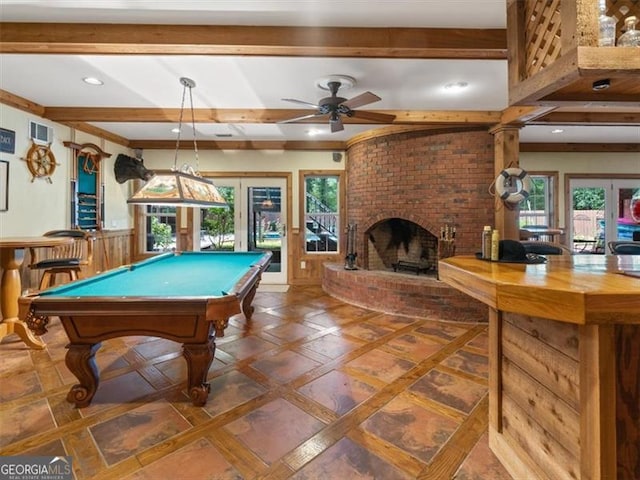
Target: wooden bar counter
point(564, 358)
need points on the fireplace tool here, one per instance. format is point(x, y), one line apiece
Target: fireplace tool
point(351, 246)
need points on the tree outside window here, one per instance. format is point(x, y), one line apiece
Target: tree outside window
point(219, 223)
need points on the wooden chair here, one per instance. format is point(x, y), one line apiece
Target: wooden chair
point(546, 248)
point(621, 247)
point(68, 259)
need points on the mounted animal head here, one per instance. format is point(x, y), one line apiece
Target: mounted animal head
point(129, 168)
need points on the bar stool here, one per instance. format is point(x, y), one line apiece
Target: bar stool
point(66, 259)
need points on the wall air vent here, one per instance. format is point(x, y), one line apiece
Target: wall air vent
point(40, 133)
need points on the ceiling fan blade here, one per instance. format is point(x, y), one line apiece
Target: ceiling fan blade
point(336, 125)
point(374, 116)
point(301, 102)
point(303, 117)
point(363, 99)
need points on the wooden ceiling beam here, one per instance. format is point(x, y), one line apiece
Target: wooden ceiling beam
point(581, 147)
point(523, 114)
point(307, 145)
point(589, 118)
point(8, 98)
point(208, 115)
point(100, 39)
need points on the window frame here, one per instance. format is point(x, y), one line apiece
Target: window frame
point(552, 214)
point(340, 224)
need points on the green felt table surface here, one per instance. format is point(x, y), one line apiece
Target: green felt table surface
point(186, 274)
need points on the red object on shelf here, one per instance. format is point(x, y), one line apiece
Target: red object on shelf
point(635, 209)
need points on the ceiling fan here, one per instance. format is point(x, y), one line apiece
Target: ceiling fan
point(335, 107)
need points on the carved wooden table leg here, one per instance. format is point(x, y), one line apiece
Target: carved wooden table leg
point(80, 359)
point(199, 359)
point(247, 308)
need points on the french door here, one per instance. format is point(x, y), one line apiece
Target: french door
point(258, 220)
point(599, 212)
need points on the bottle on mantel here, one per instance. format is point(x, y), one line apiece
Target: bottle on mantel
point(495, 246)
point(486, 242)
point(631, 36)
point(607, 35)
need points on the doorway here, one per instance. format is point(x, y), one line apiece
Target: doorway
point(256, 221)
point(599, 211)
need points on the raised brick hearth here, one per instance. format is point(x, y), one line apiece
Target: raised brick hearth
point(430, 178)
point(401, 294)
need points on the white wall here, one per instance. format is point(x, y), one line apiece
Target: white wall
point(37, 206)
point(601, 164)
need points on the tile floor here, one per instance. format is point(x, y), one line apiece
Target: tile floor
point(311, 388)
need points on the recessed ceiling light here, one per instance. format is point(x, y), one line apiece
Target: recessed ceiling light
point(313, 132)
point(92, 81)
point(601, 84)
point(175, 130)
point(557, 130)
point(456, 86)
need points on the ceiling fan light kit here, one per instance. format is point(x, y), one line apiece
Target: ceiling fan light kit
point(335, 107)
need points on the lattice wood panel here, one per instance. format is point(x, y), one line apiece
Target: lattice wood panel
point(542, 34)
point(621, 9)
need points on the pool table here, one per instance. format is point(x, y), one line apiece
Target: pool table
point(186, 297)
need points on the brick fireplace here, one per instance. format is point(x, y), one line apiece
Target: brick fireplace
point(417, 181)
point(401, 245)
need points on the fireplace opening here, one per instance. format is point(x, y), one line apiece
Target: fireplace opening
point(400, 245)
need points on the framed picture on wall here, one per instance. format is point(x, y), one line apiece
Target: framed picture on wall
point(4, 185)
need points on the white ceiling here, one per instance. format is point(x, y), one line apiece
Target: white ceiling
point(258, 82)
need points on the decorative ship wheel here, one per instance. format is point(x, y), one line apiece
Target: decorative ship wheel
point(41, 162)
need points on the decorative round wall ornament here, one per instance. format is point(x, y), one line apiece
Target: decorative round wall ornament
point(40, 161)
point(513, 176)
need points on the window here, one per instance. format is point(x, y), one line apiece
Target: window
point(218, 224)
point(321, 221)
point(540, 207)
point(160, 228)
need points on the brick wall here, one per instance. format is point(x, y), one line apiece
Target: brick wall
point(410, 294)
point(431, 178)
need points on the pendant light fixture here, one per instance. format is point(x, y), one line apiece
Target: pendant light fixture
point(180, 187)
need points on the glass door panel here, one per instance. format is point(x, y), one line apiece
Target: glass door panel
point(587, 215)
point(625, 226)
point(266, 223)
point(256, 220)
point(600, 212)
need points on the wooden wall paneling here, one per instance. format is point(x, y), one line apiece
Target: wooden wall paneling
point(558, 335)
point(556, 417)
point(598, 398)
point(552, 368)
point(540, 386)
point(628, 401)
point(495, 369)
point(112, 248)
point(553, 460)
point(513, 457)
